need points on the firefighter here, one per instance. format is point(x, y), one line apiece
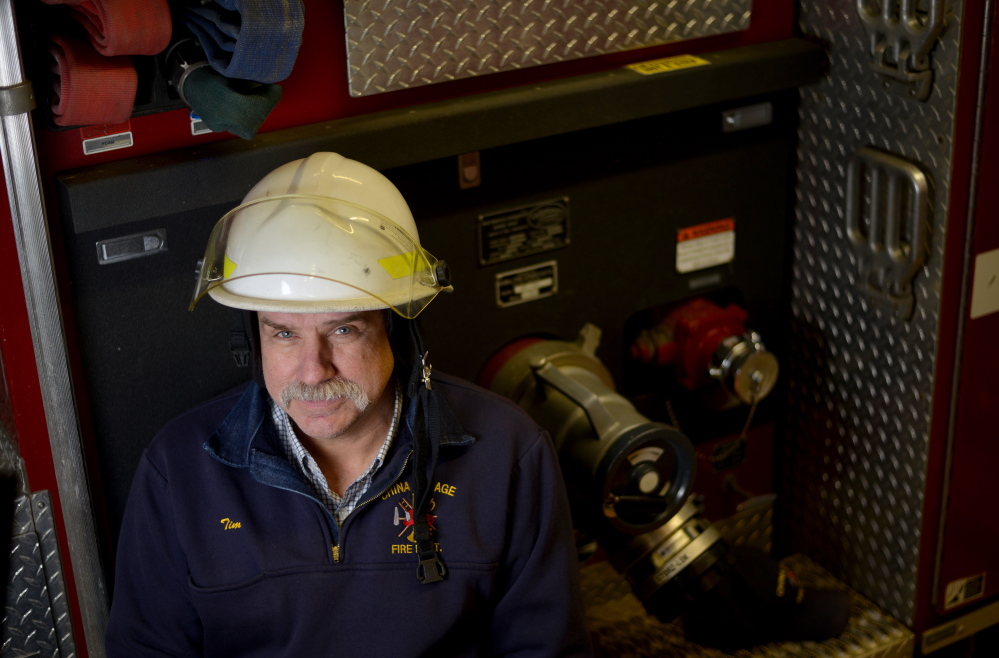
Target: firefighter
point(348, 500)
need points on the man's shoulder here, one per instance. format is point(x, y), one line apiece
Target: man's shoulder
point(466, 394)
point(194, 426)
point(482, 412)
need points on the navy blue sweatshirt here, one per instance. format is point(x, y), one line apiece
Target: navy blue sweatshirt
point(224, 551)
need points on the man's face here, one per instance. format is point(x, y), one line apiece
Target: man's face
point(329, 371)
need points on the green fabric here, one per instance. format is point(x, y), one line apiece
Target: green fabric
point(228, 104)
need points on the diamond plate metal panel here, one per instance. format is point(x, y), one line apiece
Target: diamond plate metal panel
point(41, 507)
point(28, 625)
point(395, 44)
point(36, 618)
point(620, 626)
point(860, 380)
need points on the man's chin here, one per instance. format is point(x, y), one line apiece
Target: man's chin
point(323, 431)
point(323, 423)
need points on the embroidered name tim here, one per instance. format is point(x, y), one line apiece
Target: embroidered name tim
point(229, 524)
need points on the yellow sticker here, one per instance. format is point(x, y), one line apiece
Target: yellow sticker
point(667, 64)
point(228, 267)
point(401, 265)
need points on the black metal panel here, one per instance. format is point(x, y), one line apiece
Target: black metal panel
point(145, 357)
point(630, 187)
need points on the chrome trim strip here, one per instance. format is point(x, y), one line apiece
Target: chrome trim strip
point(21, 171)
point(959, 628)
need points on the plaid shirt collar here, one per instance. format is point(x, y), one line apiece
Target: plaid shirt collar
point(303, 462)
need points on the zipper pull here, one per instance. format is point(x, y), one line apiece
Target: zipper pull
point(336, 553)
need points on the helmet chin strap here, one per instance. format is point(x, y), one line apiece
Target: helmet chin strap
point(244, 342)
point(426, 445)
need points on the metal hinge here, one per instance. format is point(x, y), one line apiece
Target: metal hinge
point(887, 220)
point(17, 99)
point(902, 33)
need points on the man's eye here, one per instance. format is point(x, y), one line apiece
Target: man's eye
point(284, 334)
point(343, 331)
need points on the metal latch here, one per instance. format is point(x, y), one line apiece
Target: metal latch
point(131, 246)
point(751, 116)
point(902, 35)
point(887, 220)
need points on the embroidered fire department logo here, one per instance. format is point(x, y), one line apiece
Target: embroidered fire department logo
point(402, 514)
point(404, 518)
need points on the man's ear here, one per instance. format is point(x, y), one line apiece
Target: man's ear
point(400, 338)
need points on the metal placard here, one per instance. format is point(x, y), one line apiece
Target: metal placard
point(107, 143)
point(527, 284)
point(523, 231)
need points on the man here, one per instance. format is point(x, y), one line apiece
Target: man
point(348, 501)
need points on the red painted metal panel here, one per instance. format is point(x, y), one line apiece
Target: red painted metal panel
point(317, 89)
point(24, 401)
point(971, 535)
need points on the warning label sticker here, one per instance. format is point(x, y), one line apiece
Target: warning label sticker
point(705, 245)
point(667, 64)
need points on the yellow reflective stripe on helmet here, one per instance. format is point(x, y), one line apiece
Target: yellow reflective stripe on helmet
point(401, 265)
point(228, 267)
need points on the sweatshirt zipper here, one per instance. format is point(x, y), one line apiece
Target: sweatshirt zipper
point(336, 547)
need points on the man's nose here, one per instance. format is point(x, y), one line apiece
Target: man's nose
point(317, 362)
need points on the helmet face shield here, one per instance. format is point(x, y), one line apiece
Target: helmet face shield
point(313, 254)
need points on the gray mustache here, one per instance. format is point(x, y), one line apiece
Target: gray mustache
point(325, 392)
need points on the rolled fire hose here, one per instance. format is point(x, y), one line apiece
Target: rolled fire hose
point(89, 87)
point(235, 106)
point(123, 27)
point(254, 40)
point(223, 104)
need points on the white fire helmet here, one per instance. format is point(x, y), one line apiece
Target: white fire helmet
point(322, 234)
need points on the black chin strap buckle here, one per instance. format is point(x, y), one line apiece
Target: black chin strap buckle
point(239, 342)
point(430, 570)
point(240, 352)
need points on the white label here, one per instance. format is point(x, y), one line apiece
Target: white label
point(705, 245)
point(534, 288)
point(199, 128)
point(107, 143)
point(985, 284)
